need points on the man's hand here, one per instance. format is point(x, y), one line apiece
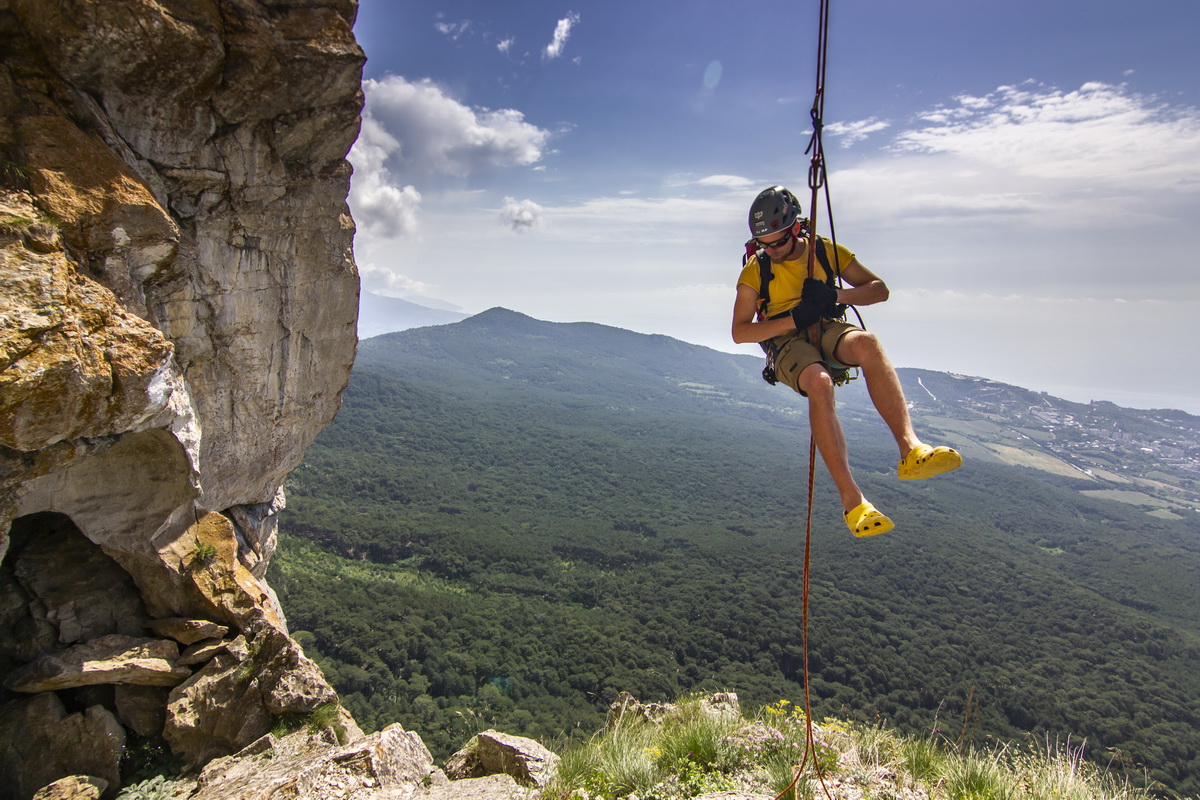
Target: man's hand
point(821, 295)
point(805, 314)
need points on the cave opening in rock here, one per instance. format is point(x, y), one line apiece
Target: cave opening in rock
point(59, 590)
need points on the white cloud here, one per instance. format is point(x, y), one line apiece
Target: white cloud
point(505, 45)
point(1098, 134)
point(562, 32)
point(380, 207)
point(435, 134)
point(650, 221)
point(384, 210)
point(1070, 167)
point(735, 182)
point(524, 215)
point(381, 280)
point(452, 29)
point(854, 132)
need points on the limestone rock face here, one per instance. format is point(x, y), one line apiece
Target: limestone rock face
point(178, 302)
point(191, 155)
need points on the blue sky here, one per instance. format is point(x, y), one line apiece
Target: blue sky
point(1025, 176)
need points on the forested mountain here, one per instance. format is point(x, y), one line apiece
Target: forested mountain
point(511, 520)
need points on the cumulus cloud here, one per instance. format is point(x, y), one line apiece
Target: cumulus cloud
point(384, 210)
point(435, 134)
point(562, 32)
point(382, 280)
point(505, 45)
point(1037, 157)
point(1099, 133)
point(523, 215)
point(380, 206)
point(853, 132)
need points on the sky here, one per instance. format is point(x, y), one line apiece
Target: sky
point(1024, 176)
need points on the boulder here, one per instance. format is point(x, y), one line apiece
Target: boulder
point(41, 743)
point(110, 659)
point(202, 651)
point(74, 787)
point(312, 766)
point(721, 705)
point(492, 753)
point(218, 711)
point(213, 578)
point(626, 709)
point(233, 700)
point(187, 631)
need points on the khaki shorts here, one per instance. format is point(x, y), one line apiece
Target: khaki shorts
point(793, 352)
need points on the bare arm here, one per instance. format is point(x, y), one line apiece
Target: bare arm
point(865, 289)
point(746, 328)
point(865, 286)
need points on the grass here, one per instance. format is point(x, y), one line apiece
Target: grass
point(691, 753)
point(204, 554)
point(13, 175)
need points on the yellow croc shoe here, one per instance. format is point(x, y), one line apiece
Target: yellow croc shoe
point(865, 520)
point(925, 462)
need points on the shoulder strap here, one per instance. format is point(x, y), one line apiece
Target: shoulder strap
point(764, 280)
point(764, 275)
point(832, 274)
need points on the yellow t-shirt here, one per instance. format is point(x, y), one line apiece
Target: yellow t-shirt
point(789, 276)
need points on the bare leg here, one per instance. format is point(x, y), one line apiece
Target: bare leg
point(827, 432)
point(863, 348)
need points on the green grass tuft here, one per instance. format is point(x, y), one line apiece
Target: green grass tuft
point(691, 753)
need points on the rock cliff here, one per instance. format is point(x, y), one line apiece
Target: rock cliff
point(178, 300)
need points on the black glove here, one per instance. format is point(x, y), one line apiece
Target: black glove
point(805, 314)
point(821, 295)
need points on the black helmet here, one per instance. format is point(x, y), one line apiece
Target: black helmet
point(773, 210)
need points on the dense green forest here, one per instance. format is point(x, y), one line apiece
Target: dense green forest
point(511, 521)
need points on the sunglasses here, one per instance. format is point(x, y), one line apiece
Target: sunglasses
point(780, 242)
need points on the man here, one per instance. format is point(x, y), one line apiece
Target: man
point(796, 305)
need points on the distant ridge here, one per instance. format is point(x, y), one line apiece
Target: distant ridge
point(1144, 458)
point(378, 314)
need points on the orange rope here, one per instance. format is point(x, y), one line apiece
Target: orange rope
point(810, 740)
point(816, 179)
